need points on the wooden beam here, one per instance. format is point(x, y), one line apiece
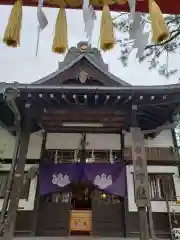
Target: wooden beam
point(75, 98)
point(54, 98)
point(103, 110)
point(106, 99)
point(117, 99)
point(96, 97)
point(82, 118)
point(44, 98)
point(80, 130)
point(65, 98)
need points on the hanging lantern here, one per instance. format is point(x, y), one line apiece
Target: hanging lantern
point(12, 33)
point(158, 26)
point(107, 38)
point(60, 42)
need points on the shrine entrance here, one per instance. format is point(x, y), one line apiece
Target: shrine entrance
point(82, 210)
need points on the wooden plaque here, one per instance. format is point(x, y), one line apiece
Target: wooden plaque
point(140, 168)
point(81, 221)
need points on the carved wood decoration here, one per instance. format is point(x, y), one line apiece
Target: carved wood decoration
point(83, 76)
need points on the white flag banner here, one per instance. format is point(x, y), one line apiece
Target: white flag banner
point(135, 26)
point(132, 7)
point(141, 42)
point(42, 22)
point(141, 38)
point(89, 17)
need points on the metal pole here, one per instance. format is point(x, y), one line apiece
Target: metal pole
point(9, 182)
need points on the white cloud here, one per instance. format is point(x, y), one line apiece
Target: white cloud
point(22, 65)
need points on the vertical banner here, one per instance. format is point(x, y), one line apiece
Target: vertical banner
point(140, 168)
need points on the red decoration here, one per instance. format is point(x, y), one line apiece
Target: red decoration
point(170, 7)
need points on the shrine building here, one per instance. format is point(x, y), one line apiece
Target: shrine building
point(67, 141)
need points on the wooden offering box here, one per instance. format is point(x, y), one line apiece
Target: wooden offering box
point(81, 220)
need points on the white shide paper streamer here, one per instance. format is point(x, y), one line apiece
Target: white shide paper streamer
point(89, 16)
point(42, 22)
point(137, 33)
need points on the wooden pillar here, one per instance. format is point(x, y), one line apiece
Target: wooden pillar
point(37, 199)
point(140, 175)
point(125, 204)
point(10, 178)
point(17, 181)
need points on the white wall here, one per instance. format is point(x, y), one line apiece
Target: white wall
point(72, 140)
point(7, 142)
point(63, 140)
point(163, 139)
point(24, 205)
point(103, 141)
point(156, 206)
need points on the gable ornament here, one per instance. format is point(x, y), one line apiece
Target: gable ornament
point(83, 76)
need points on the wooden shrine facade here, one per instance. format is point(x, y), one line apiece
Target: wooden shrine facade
point(56, 108)
point(82, 97)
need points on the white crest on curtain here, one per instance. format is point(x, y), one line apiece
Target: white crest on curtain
point(103, 181)
point(60, 180)
point(42, 22)
point(89, 16)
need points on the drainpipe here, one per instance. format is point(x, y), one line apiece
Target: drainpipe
point(9, 97)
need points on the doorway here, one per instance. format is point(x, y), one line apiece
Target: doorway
point(81, 209)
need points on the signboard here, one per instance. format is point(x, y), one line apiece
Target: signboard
point(140, 168)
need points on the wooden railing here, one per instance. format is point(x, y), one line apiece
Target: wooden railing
point(155, 154)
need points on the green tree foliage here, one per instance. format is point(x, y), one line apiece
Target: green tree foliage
point(152, 52)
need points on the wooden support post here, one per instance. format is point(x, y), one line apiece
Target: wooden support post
point(140, 175)
point(143, 223)
point(125, 203)
point(37, 199)
point(10, 178)
point(17, 181)
point(151, 223)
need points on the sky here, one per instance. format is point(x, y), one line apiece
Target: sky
point(22, 65)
